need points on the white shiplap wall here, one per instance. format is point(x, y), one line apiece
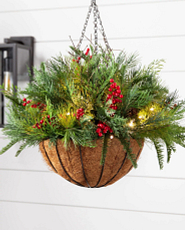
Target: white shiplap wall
point(33, 198)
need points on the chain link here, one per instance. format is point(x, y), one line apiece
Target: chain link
point(85, 26)
point(96, 14)
point(102, 29)
point(95, 26)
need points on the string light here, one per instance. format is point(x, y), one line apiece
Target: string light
point(111, 137)
point(68, 113)
point(152, 109)
point(140, 117)
point(131, 124)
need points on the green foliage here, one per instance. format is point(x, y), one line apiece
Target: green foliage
point(104, 149)
point(147, 111)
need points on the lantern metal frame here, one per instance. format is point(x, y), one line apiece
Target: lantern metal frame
point(12, 45)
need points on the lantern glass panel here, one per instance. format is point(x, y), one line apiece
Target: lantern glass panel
point(1, 81)
point(23, 67)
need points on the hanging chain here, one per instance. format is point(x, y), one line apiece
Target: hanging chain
point(85, 26)
point(102, 30)
point(95, 25)
point(96, 14)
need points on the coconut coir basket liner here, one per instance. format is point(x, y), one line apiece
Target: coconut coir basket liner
point(81, 166)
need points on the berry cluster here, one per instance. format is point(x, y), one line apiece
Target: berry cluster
point(80, 113)
point(103, 128)
point(115, 95)
point(26, 102)
point(43, 122)
point(175, 105)
point(39, 105)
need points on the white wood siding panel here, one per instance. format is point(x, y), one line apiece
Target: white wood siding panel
point(170, 49)
point(18, 5)
point(139, 194)
point(123, 21)
point(14, 216)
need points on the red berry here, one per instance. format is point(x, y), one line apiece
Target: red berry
point(175, 105)
point(24, 99)
point(48, 116)
point(41, 121)
point(73, 60)
point(101, 126)
point(111, 80)
point(115, 85)
point(118, 87)
point(90, 56)
point(109, 96)
point(105, 131)
point(114, 101)
point(110, 89)
point(86, 53)
point(28, 102)
point(80, 110)
point(113, 93)
point(24, 104)
point(100, 134)
point(116, 94)
point(110, 130)
point(121, 96)
point(78, 58)
point(118, 91)
point(53, 118)
point(50, 122)
point(98, 130)
point(34, 126)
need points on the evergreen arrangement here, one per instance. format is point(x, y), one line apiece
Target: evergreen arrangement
point(89, 96)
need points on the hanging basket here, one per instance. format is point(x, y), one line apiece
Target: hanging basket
point(81, 166)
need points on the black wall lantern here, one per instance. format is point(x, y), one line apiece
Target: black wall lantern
point(16, 57)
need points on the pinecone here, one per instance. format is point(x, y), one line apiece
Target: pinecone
point(132, 112)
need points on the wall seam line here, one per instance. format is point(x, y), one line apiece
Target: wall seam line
point(90, 207)
point(134, 176)
point(85, 6)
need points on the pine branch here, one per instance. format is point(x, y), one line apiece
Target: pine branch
point(159, 150)
point(21, 148)
point(130, 155)
point(104, 149)
point(3, 150)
